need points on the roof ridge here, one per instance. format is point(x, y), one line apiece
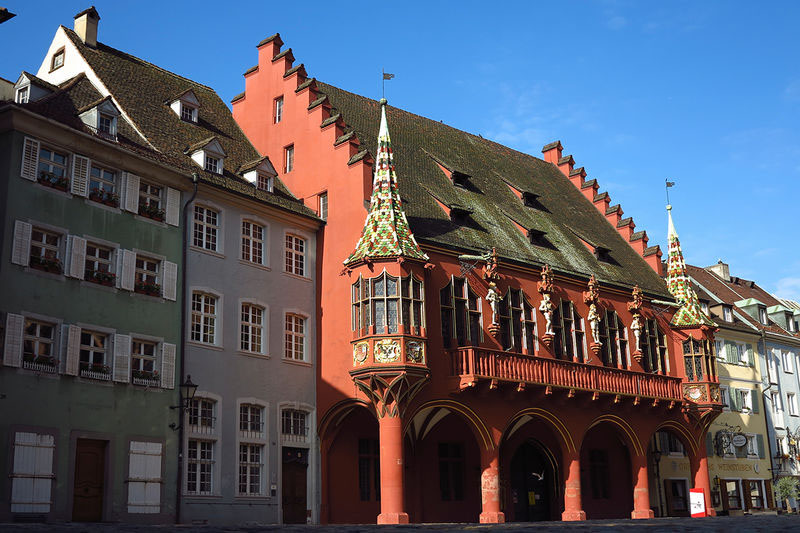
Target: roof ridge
point(477, 137)
point(71, 33)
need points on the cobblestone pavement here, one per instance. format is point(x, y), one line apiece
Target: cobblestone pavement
point(727, 524)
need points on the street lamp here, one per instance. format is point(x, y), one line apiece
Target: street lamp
point(188, 389)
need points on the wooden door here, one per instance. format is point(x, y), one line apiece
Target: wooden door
point(294, 485)
point(90, 471)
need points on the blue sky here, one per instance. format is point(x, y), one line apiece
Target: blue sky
point(706, 94)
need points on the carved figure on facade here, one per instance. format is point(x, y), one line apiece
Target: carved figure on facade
point(635, 306)
point(546, 306)
point(591, 297)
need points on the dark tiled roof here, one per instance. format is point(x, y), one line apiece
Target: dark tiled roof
point(39, 81)
point(141, 89)
point(419, 143)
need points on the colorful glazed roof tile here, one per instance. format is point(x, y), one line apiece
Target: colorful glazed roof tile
point(689, 314)
point(386, 232)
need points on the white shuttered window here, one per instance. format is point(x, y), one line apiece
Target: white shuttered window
point(32, 475)
point(144, 477)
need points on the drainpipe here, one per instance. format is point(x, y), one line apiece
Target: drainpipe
point(182, 356)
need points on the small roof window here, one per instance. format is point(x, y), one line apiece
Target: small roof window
point(186, 106)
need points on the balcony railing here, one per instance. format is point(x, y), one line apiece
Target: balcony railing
point(480, 363)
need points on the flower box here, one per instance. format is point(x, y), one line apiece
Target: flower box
point(151, 289)
point(152, 212)
point(104, 197)
point(101, 277)
point(40, 363)
point(48, 179)
point(95, 371)
point(48, 265)
point(146, 378)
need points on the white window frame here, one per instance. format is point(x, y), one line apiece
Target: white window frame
point(773, 356)
point(188, 112)
point(212, 435)
point(293, 438)
point(212, 163)
point(725, 397)
point(791, 401)
point(294, 335)
point(264, 348)
point(788, 358)
point(108, 351)
point(55, 344)
point(249, 239)
point(293, 257)
point(288, 158)
point(57, 61)
point(727, 314)
point(256, 438)
point(217, 341)
point(746, 401)
point(752, 447)
point(23, 94)
point(278, 109)
point(207, 229)
point(59, 247)
point(323, 205)
point(264, 182)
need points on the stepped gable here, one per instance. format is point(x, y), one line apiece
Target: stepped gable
point(602, 201)
point(423, 147)
point(144, 90)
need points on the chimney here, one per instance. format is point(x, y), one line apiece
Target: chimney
point(86, 26)
point(721, 269)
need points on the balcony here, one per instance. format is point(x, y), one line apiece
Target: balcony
point(473, 364)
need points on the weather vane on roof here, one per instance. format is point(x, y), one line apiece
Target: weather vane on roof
point(386, 76)
point(668, 185)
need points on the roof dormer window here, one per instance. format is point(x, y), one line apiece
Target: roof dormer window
point(762, 315)
point(790, 323)
point(212, 164)
point(188, 113)
point(101, 117)
point(727, 313)
point(264, 182)
point(185, 105)
point(23, 94)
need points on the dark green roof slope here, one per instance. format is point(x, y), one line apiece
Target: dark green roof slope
point(142, 89)
point(564, 215)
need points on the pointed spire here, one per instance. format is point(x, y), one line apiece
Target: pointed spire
point(386, 232)
point(690, 313)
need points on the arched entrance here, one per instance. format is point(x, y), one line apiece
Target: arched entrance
point(351, 480)
point(606, 473)
point(533, 479)
point(443, 467)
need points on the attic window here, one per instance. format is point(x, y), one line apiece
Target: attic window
point(23, 95)
point(264, 182)
point(762, 315)
point(212, 164)
point(530, 199)
point(790, 322)
point(537, 238)
point(188, 113)
point(459, 214)
point(460, 179)
point(727, 313)
point(105, 123)
point(704, 306)
point(602, 254)
point(58, 60)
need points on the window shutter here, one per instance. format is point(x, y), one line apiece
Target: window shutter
point(144, 477)
point(731, 352)
point(736, 401)
point(760, 445)
point(80, 175)
point(769, 503)
point(32, 477)
point(131, 190)
point(126, 269)
point(167, 365)
point(73, 348)
point(173, 207)
point(21, 252)
point(709, 445)
point(122, 358)
point(77, 257)
point(754, 395)
point(12, 351)
point(30, 159)
point(170, 280)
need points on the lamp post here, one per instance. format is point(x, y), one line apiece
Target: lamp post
point(657, 464)
point(188, 389)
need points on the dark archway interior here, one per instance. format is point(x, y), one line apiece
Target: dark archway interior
point(533, 479)
point(606, 474)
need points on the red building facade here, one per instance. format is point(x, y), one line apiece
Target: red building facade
point(490, 347)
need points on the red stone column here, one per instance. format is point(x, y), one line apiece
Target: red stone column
point(391, 441)
point(573, 508)
point(490, 488)
point(699, 463)
point(641, 488)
